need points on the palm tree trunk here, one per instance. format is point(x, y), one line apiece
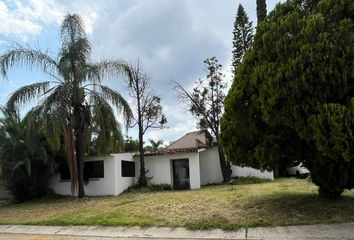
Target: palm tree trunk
point(80, 156)
point(79, 147)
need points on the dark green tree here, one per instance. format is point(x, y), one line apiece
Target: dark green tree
point(294, 96)
point(242, 36)
point(261, 11)
point(206, 104)
point(74, 99)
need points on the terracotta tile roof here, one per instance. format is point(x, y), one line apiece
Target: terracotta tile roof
point(170, 151)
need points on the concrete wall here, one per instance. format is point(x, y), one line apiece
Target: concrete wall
point(160, 168)
point(251, 172)
point(210, 170)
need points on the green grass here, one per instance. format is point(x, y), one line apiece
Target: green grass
point(282, 202)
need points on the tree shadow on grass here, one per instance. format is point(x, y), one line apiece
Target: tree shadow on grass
point(298, 208)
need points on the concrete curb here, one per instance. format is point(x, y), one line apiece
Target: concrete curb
point(122, 232)
point(320, 231)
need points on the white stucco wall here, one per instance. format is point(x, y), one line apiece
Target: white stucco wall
point(122, 183)
point(160, 168)
point(204, 168)
point(210, 170)
point(194, 171)
point(95, 187)
point(112, 184)
point(251, 172)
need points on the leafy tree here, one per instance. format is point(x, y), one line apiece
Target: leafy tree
point(242, 36)
point(75, 99)
point(261, 10)
point(131, 145)
point(26, 157)
point(97, 146)
point(148, 111)
point(206, 104)
point(294, 96)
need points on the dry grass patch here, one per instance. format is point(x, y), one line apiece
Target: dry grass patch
point(283, 202)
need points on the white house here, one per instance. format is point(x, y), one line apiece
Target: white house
point(188, 163)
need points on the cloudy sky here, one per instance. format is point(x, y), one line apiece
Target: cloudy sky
point(170, 37)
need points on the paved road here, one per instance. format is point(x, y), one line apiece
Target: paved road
point(343, 231)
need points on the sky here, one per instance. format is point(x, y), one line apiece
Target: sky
point(171, 38)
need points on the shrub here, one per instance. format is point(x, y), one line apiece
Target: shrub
point(23, 186)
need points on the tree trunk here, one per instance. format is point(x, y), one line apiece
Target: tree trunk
point(80, 148)
point(225, 165)
point(80, 156)
point(142, 178)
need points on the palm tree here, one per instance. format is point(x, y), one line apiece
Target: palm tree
point(28, 161)
point(74, 99)
point(155, 145)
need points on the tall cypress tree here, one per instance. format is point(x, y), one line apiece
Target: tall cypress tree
point(293, 98)
point(243, 36)
point(261, 11)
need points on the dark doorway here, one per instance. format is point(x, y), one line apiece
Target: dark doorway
point(180, 168)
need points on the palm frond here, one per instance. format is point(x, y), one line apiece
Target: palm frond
point(106, 127)
point(56, 111)
point(29, 58)
point(73, 35)
point(107, 68)
point(59, 100)
point(117, 100)
point(73, 60)
point(27, 93)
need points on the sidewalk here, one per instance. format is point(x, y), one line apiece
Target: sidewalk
point(321, 231)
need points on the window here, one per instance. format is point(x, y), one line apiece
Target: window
point(128, 169)
point(94, 169)
point(64, 172)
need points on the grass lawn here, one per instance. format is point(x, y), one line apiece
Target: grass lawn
point(282, 202)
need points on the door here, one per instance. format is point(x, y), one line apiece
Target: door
point(180, 168)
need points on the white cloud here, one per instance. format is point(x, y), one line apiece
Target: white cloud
point(24, 20)
point(171, 38)
point(17, 22)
